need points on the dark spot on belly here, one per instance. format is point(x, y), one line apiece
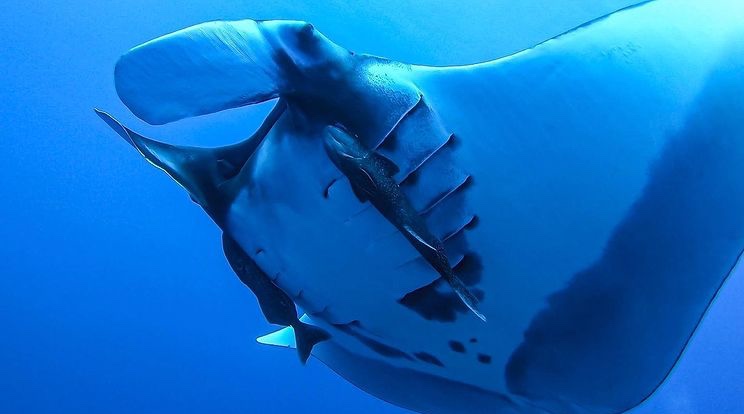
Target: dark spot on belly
point(473, 340)
point(484, 359)
point(428, 358)
point(470, 269)
point(352, 328)
point(457, 346)
point(437, 302)
point(431, 304)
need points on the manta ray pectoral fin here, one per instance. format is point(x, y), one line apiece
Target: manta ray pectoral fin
point(277, 307)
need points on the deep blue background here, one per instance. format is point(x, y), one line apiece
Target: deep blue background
point(114, 295)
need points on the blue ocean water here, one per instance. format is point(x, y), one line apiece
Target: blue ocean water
point(115, 296)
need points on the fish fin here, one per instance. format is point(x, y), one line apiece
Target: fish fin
point(306, 336)
point(387, 165)
point(363, 187)
point(462, 291)
point(360, 193)
point(418, 238)
point(466, 296)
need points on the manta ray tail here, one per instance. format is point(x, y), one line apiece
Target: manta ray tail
point(306, 336)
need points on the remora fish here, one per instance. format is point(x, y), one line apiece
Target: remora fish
point(371, 178)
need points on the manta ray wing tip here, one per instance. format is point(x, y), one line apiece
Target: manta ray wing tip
point(116, 126)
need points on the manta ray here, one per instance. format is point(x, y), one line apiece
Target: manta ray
point(588, 192)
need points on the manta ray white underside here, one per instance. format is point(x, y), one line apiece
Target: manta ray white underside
point(589, 190)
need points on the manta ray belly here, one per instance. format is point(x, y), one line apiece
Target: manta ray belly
point(353, 271)
point(589, 191)
point(583, 163)
point(336, 257)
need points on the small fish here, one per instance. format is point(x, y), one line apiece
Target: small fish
point(371, 178)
